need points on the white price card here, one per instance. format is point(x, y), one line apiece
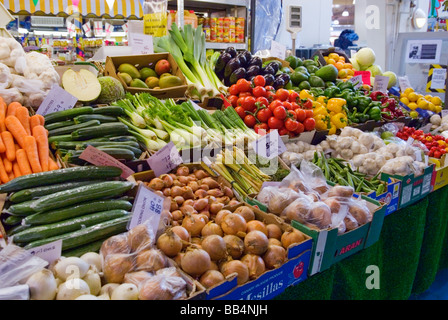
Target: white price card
point(357, 81)
point(278, 50)
point(57, 99)
point(404, 83)
point(100, 158)
point(381, 83)
point(142, 44)
point(165, 160)
point(269, 146)
point(438, 79)
point(49, 252)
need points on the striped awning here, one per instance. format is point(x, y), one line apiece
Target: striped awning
point(87, 8)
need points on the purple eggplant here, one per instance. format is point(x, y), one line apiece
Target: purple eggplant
point(285, 77)
point(242, 59)
point(274, 65)
point(247, 55)
point(279, 83)
point(232, 51)
point(256, 61)
point(252, 71)
point(269, 70)
point(269, 78)
point(223, 59)
point(239, 73)
point(231, 66)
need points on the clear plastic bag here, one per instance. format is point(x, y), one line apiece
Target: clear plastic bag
point(163, 287)
point(20, 292)
point(277, 199)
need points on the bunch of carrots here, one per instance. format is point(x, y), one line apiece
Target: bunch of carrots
point(24, 145)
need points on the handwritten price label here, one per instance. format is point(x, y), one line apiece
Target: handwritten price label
point(165, 160)
point(49, 252)
point(100, 158)
point(57, 99)
point(142, 44)
point(357, 81)
point(381, 83)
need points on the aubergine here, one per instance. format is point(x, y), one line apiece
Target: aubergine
point(223, 59)
point(247, 55)
point(238, 74)
point(231, 66)
point(232, 51)
point(274, 65)
point(269, 78)
point(269, 70)
point(252, 71)
point(242, 59)
point(256, 61)
point(285, 77)
point(279, 83)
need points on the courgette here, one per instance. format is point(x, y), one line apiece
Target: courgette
point(66, 114)
point(60, 124)
point(13, 220)
point(72, 156)
point(104, 129)
point(64, 137)
point(136, 151)
point(65, 226)
point(58, 176)
point(109, 110)
point(33, 193)
point(101, 190)
point(72, 144)
point(100, 117)
point(86, 235)
point(77, 211)
point(70, 129)
point(94, 246)
point(78, 145)
point(122, 138)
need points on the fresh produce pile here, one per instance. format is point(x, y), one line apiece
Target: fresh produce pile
point(345, 68)
point(23, 144)
point(310, 74)
point(72, 131)
point(416, 101)
point(435, 146)
point(80, 206)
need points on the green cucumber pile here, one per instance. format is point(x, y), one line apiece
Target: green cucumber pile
point(82, 206)
point(71, 131)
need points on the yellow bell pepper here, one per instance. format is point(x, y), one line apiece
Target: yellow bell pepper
point(322, 99)
point(336, 104)
point(332, 130)
point(305, 94)
point(321, 124)
point(339, 120)
point(320, 110)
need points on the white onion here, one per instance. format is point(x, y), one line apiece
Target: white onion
point(87, 297)
point(93, 259)
point(93, 279)
point(42, 285)
point(125, 291)
point(72, 289)
point(71, 267)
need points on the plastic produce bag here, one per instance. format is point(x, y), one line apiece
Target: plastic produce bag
point(277, 199)
point(268, 18)
point(155, 17)
point(21, 292)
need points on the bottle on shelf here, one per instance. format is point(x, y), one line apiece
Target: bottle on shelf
point(206, 28)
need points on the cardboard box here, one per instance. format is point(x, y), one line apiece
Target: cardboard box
point(390, 197)
point(413, 188)
point(330, 248)
point(440, 174)
point(321, 53)
point(272, 282)
point(112, 64)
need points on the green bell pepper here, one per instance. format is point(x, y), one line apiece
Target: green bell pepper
point(346, 85)
point(375, 113)
point(350, 97)
point(331, 92)
point(363, 103)
point(317, 92)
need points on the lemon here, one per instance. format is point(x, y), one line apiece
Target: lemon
point(413, 97)
point(422, 103)
point(438, 109)
point(408, 91)
point(412, 106)
point(405, 100)
point(437, 101)
point(428, 97)
point(414, 114)
point(431, 106)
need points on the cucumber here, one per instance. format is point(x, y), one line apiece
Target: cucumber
point(65, 226)
point(110, 111)
point(20, 209)
point(104, 129)
point(70, 129)
point(77, 210)
point(58, 176)
point(88, 117)
point(86, 235)
point(70, 197)
point(17, 229)
point(33, 193)
point(58, 125)
point(13, 220)
point(66, 114)
point(94, 246)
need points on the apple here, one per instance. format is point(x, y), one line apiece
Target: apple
point(162, 66)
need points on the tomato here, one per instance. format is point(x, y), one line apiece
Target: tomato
point(275, 123)
point(287, 105)
point(279, 113)
point(245, 94)
point(292, 113)
point(295, 105)
point(233, 90)
point(250, 121)
point(243, 85)
point(309, 124)
point(301, 114)
point(262, 101)
point(300, 128)
point(259, 81)
point(240, 101)
point(282, 94)
point(309, 113)
point(283, 131)
point(291, 124)
point(241, 112)
point(270, 95)
point(308, 104)
point(294, 97)
point(248, 103)
point(259, 91)
point(261, 128)
point(270, 88)
point(274, 104)
point(264, 114)
point(233, 100)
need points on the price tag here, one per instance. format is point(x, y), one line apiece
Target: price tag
point(142, 44)
point(404, 83)
point(381, 83)
point(278, 50)
point(49, 252)
point(165, 160)
point(57, 99)
point(365, 76)
point(269, 146)
point(100, 158)
point(357, 81)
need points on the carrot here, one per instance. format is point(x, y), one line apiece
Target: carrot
point(35, 120)
point(3, 174)
point(40, 134)
point(2, 145)
point(22, 161)
point(41, 119)
point(17, 130)
point(16, 169)
point(16, 146)
point(52, 165)
point(12, 107)
point(23, 115)
point(8, 140)
point(3, 108)
point(11, 176)
point(33, 154)
point(7, 164)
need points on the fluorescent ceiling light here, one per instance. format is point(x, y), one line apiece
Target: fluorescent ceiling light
point(336, 22)
point(345, 13)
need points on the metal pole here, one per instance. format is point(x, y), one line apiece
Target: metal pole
point(180, 13)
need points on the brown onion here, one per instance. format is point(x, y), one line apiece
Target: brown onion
point(291, 236)
point(176, 191)
point(189, 202)
point(169, 243)
point(150, 260)
point(116, 266)
point(274, 241)
point(179, 200)
point(156, 184)
point(223, 200)
point(178, 258)
point(236, 266)
point(216, 207)
point(183, 171)
point(205, 216)
point(228, 192)
point(200, 204)
point(186, 209)
point(215, 247)
point(196, 241)
point(235, 246)
point(115, 244)
point(173, 205)
point(274, 257)
point(184, 180)
point(193, 185)
point(234, 224)
point(214, 266)
point(200, 193)
point(167, 180)
point(155, 289)
point(137, 277)
point(221, 215)
point(204, 187)
point(177, 183)
point(274, 231)
point(200, 174)
point(166, 192)
point(256, 242)
point(139, 238)
point(255, 264)
point(233, 202)
point(194, 224)
point(175, 223)
point(257, 225)
point(187, 193)
point(183, 234)
point(195, 261)
point(177, 215)
point(210, 182)
point(211, 228)
point(173, 176)
point(211, 278)
point(246, 212)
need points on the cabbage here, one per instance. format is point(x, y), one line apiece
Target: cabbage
point(355, 63)
point(365, 57)
point(392, 78)
point(375, 70)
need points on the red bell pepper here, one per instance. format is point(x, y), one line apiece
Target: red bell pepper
point(377, 95)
